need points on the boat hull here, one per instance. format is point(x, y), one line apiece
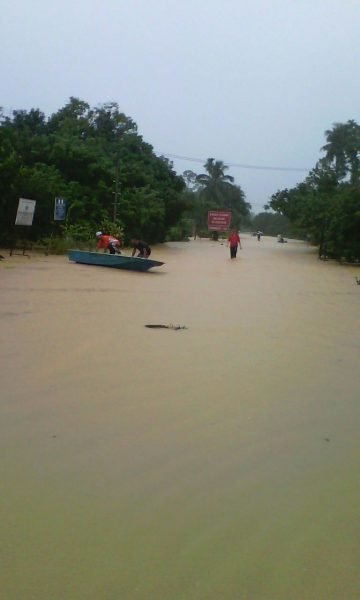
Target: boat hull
point(115, 261)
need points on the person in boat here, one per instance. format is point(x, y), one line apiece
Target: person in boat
point(143, 248)
point(107, 242)
point(234, 242)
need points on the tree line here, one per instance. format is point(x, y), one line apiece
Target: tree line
point(215, 190)
point(109, 176)
point(111, 179)
point(96, 160)
point(326, 205)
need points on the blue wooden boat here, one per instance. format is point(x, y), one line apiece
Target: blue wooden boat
point(116, 261)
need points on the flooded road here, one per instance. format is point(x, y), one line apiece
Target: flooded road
point(220, 462)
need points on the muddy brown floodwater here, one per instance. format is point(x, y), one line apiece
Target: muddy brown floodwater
point(220, 462)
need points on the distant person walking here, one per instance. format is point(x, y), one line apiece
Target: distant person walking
point(259, 234)
point(234, 242)
point(143, 248)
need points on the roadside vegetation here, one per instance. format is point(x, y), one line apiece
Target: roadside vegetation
point(111, 179)
point(325, 208)
point(96, 160)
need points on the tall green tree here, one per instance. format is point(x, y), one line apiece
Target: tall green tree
point(272, 224)
point(326, 205)
point(215, 185)
point(79, 153)
point(342, 150)
point(215, 190)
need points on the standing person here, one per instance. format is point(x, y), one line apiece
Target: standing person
point(233, 242)
point(258, 233)
point(107, 242)
point(143, 248)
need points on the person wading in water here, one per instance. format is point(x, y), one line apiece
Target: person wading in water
point(234, 242)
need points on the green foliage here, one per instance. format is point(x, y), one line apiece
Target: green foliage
point(78, 153)
point(60, 245)
point(326, 206)
point(273, 224)
point(343, 150)
point(342, 231)
point(79, 232)
point(115, 228)
point(214, 190)
point(180, 232)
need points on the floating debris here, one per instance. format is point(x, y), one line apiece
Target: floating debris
point(170, 326)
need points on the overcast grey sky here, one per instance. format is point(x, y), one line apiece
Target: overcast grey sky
point(253, 82)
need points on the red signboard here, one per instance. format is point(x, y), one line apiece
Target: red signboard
point(219, 220)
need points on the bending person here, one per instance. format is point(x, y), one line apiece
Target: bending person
point(107, 242)
point(143, 248)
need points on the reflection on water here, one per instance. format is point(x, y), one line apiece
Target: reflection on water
point(217, 462)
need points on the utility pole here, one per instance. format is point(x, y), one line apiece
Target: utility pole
point(116, 193)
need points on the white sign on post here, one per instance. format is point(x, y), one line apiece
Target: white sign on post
point(25, 212)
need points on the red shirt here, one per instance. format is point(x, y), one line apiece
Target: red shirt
point(233, 239)
point(104, 240)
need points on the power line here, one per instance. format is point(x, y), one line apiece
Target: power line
point(237, 165)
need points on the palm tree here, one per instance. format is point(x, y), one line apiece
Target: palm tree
point(214, 185)
point(343, 149)
point(216, 190)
